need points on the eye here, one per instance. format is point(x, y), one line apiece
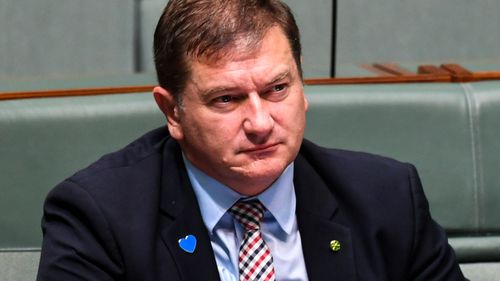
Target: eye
point(279, 87)
point(277, 92)
point(224, 99)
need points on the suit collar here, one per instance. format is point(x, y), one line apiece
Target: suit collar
point(181, 217)
point(320, 221)
point(319, 218)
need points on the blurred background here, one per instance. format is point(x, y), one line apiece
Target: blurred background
point(56, 39)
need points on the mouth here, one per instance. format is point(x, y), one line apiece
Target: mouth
point(260, 149)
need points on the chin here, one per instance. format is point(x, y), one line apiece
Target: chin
point(259, 174)
point(266, 169)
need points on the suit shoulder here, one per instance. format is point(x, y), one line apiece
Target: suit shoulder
point(350, 168)
point(316, 153)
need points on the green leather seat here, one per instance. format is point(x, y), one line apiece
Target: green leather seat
point(18, 265)
point(449, 131)
point(43, 141)
point(485, 103)
point(425, 124)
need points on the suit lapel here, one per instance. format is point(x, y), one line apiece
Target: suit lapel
point(318, 217)
point(320, 222)
point(181, 217)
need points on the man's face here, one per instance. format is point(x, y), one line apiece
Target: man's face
point(242, 119)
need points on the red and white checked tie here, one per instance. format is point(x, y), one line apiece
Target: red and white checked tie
point(255, 259)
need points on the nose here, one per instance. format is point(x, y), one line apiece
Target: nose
point(258, 122)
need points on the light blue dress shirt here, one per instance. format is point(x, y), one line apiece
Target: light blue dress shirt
point(279, 226)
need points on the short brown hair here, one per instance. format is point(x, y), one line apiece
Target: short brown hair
point(210, 28)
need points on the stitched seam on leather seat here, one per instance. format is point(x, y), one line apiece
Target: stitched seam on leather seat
point(476, 153)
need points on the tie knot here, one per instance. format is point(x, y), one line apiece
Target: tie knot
point(248, 213)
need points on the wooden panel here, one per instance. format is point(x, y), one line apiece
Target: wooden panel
point(486, 75)
point(370, 67)
point(394, 69)
point(387, 69)
point(426, 74)
point(75, 92)
point(431, 69)
point(378, 80)
point(458, 72)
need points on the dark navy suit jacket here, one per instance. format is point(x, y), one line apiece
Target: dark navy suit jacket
point(121, 219)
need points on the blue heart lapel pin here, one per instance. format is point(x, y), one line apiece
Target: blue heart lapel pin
point(188, 243)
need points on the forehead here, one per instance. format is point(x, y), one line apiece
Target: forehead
point(273, 53)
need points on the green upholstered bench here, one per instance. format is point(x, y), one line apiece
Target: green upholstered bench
point(45, 140)
point(449, 131)
point(19, 265)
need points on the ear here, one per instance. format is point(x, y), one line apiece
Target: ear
point(168, 105)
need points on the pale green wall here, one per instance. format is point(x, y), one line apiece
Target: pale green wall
point(315, 22)
point(313, 18)
point(60, 38)
point(65, 37)
point(418, 31)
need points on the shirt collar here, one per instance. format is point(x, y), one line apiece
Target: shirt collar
point(215, 198)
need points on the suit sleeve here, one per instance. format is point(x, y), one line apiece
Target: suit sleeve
point(433, 259)
point(77, 241)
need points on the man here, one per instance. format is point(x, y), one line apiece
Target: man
point(232, 191)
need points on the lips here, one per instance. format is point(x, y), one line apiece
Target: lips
point(261, 148)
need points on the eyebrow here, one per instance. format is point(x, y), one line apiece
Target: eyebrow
point(280, 77)
point(220, 89)
point(215, 90)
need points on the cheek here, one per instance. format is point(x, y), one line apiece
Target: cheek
point(215, 132)
point(290, 116)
